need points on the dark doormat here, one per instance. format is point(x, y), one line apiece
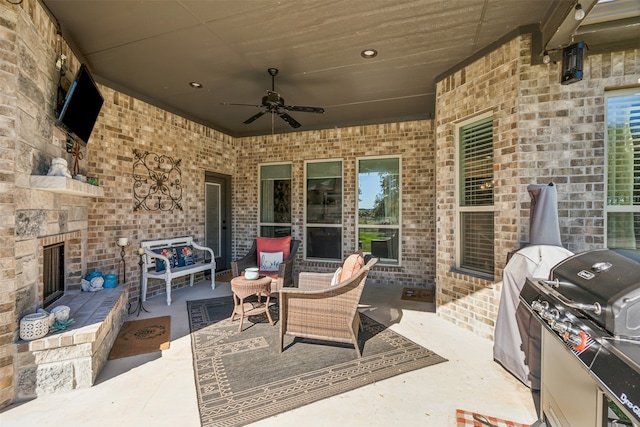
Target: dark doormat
point(241, 377)
point(142, 336)
point(417, 294)
point(223, 276)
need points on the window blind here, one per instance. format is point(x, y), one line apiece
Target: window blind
point(623, 169)
point(476, 229)
point(476, 163)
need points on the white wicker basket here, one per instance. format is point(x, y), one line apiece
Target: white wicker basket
point(34, 326)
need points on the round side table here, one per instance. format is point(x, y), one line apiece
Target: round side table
point(243, 288)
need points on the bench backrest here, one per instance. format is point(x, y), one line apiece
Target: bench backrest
point(150, 262)
point(163, 243)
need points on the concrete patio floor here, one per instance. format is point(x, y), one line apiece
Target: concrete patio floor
point(158, 389)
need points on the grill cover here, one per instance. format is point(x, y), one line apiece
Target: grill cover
point(608, 278)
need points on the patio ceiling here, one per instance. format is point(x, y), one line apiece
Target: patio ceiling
point(153, 49)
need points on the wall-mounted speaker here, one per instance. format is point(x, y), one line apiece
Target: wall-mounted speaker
point(572, 63)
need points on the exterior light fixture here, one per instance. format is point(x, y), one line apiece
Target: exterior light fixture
point(546, 58)
point(369, 53)
point(196, 85)
point(579, 13)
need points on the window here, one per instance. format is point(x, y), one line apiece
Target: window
point(623, 169)
point(275, 200)
point(323, 210)
point(474, 250)
point(379, 208)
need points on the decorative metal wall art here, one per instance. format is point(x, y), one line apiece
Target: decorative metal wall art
point(157, 182)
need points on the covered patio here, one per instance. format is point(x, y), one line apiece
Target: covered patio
point(159, 387)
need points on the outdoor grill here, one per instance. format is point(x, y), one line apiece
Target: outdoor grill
point(589, 307)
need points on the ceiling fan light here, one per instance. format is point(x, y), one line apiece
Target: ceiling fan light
point(369, 53)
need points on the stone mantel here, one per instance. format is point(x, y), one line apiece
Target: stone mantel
point(64, 185)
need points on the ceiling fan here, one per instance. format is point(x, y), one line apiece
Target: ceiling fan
point(273, 103)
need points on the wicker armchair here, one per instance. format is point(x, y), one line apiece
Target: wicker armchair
point(317, 310)
point(284, 276)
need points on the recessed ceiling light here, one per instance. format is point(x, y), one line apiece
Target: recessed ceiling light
point(369, 53)
point(196, 85)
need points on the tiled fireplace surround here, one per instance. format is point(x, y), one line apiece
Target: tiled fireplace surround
point(71, 358)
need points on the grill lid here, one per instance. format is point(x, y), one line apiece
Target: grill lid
point(605, 278)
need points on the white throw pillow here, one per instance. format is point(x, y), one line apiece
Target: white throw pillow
point(336, 275)
point(270, 261)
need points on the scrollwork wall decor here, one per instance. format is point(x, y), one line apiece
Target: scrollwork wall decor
point(157, 182)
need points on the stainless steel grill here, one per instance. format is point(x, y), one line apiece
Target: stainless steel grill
point(590, 311)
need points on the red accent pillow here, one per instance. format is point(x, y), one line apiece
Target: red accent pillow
point(274, 244)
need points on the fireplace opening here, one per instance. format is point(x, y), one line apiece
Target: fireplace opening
point(53, 273)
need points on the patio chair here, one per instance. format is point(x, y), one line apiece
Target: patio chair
point(283, 275)
point(322, 311)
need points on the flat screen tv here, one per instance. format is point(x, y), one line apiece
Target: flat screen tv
point(81, 106)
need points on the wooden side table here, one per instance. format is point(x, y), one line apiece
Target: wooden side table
point(243, 288)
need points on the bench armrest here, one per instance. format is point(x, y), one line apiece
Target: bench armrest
point(206, 249)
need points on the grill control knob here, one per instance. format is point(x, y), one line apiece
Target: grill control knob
point(580, 341)
point(550, 315)
point(539, 306)
point(560, 327)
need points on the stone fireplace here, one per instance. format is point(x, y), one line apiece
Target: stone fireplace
point(73, 357)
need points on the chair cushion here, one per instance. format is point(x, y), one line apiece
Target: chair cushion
point(170, 253)
point(351, 266)
point(270, 261)
point(274, 244)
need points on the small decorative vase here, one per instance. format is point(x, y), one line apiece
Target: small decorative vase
point(34, 326)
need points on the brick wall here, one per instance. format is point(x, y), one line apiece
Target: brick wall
point(125, 124)
point(413, 141)
point(543, 132)
point(488, 85)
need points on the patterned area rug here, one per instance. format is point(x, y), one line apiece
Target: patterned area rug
point(473, 419)
point(241, 377)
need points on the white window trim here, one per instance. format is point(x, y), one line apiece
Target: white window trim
point(304, 217)
point(612, 208)
point(393, 227)
point(461, 209)
point(272, 224)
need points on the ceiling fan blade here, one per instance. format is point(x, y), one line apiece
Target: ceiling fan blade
point(287, 118)
point(243, 105)
point(254, 117)
point(318, 110)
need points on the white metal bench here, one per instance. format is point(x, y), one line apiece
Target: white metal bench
point(151, 258)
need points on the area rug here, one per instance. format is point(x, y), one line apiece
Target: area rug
point(241, 377)
point(473, 419)
point(142, 336)
point(223, 276)
point(417, 294)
